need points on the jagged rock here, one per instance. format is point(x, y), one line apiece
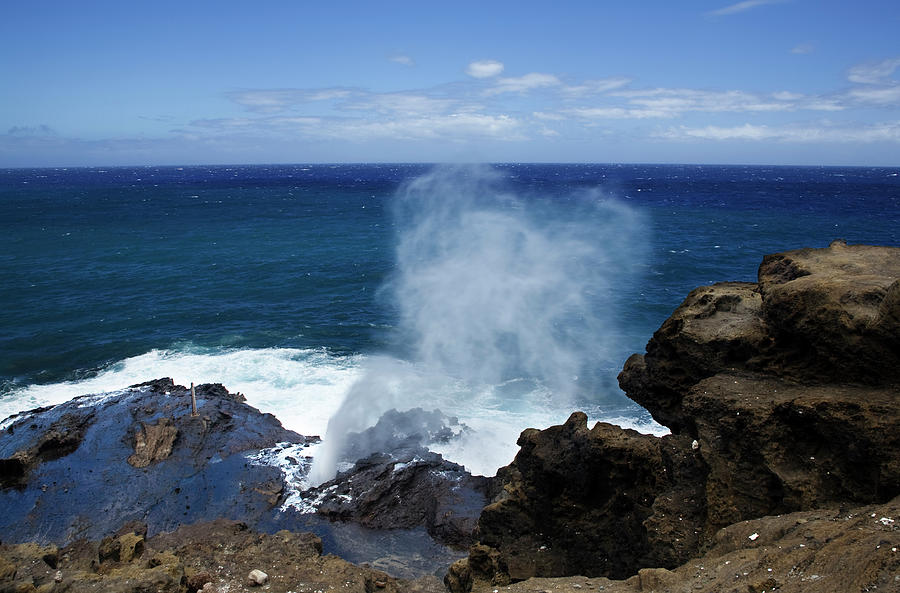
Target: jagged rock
point(834, 313)
point(791, 386)
point(782, 396)
point(400, 484)
point(403, 492)
point(219, 553)
point(195, 582)
point(81, 469)
point(228, 551)
point(598, 501)
point(123, 548)
point(774, 446)
point(60, 438)
point(716, 328)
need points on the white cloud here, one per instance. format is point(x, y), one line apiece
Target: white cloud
point(544, 116)
point(744, 132)
point(455, 127)
point(877, 73)
point(742, 6)
point(458, 127)
point(484, 68)
point(674, 102)
point(521, 84)
point(403, 59)
point(882, 132)
point(786, 96)
point(616, 113)
point(803, 48)
point(881, 96)
point(277, 100)
point(405, 103)
point(599, 86)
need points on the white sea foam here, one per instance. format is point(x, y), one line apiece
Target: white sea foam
point(303, 388)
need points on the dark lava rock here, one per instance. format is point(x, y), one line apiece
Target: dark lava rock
point(782, 396)
point(598, 501)
point(384, 492)
point(400, 484)
point(82, 468)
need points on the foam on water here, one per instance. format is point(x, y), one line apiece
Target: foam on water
point(304, 388)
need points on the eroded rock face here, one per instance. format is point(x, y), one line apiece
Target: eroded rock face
point(575, 500)
point(775, 447)
point(791, 386)
point(595, 501)
point(782, 396)
point(153, 442)
point(834, 313)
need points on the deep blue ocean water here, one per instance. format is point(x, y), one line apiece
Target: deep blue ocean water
point(282, 279)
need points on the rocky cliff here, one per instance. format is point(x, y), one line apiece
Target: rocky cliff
point(782, 396)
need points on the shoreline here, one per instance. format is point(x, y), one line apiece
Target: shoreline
point(781, 470)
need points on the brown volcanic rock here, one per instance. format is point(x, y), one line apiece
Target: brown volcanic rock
point(716, 328)
point(783, 396)
point(598, 501)
point(217, 555)
point(153, 442)
point(828, 551)
point(835, 312)
point(816, 316)
point(774, 447)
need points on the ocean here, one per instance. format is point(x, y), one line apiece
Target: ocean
point(506, 295)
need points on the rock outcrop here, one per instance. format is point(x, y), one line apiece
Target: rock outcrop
point(782, 396)
point(395, 482)
point(83, 468)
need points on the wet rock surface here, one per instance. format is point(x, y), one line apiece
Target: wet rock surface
point(783, 396)
point(400, 484)
point(83, 468)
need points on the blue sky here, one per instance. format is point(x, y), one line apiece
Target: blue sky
point(757, 81)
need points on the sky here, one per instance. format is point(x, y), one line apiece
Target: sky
point(784, 82)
